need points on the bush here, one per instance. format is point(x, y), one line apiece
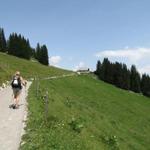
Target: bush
point(76, 125)
point(111, 141)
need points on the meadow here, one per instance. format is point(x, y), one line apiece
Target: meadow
point(29, 69)
point(86, 114)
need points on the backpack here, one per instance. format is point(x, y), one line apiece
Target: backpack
point(16, 83)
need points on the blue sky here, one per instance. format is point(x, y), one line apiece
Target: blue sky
point(79, 32)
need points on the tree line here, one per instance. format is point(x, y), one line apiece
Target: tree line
point(119, 75)
point(19, 46)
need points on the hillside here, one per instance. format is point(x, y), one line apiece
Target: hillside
point(86, 114)
point(9, 64)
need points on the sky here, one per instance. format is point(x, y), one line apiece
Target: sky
point(80, 32)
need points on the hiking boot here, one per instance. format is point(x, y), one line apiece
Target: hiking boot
point(14, 106)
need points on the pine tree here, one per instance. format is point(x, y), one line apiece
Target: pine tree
point(111, 73)
point(119, 75)
point(19, 46)
point(12, 44)
point(134, 80)
point(105, 70)
point(118, 78)
point(44, 55)
point(125, 77)
point(98, 68)
point(27, 49)
point(3, 46)
point(37, 53)
point(145, 85)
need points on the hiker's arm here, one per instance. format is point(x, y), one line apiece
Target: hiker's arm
point(11, 80)
point(23, 81)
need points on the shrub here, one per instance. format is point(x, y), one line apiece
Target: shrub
point(76, 125)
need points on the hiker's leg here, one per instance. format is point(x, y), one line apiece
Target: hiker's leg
point(17, 98)
point(14, 96)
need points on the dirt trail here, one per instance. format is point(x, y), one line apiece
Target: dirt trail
point(11, 120)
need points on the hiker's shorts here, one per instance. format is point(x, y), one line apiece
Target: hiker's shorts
point(16, 91)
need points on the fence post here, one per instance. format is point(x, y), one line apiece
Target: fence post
point(37, 86)
point(46, 105)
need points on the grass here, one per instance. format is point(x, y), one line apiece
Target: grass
point(83, 113)
point(9, 64)
point(86, 114)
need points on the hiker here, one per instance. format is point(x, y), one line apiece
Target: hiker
point(17, 84)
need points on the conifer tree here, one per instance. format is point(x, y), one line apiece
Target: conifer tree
point(125, 77)
point(118, 79)
point(111, 73)
point(119, 75)
point(37, 53)
point(19, 46)
point(44, 55)
point(145, 85)
point(98, 68)
point(105, 70)
point(134, 80)
point(3, 46)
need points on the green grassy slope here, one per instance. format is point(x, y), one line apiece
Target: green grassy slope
point(10, 64)
point(86, 114)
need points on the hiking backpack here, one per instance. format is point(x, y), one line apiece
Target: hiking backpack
point(16, 83)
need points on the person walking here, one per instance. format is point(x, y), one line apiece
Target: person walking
point(17, 84)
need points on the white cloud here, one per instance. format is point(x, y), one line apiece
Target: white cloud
point(133, 55)
point(138, 56)
point(55, 60)
point(145, 69)
point(81, 65)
